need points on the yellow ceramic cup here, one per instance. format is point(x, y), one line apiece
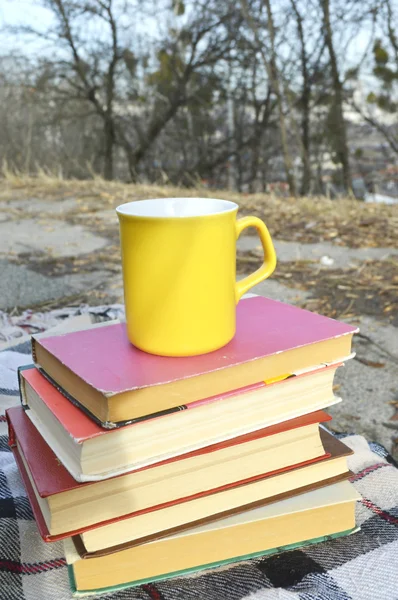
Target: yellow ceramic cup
point(179, 272)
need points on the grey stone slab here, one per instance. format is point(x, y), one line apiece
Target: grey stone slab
point(19, 286)
point(54, 237)
point(87, 281)
point(385, 335)
point(277, 291)
point(341, 255)
point(37, 206)
point(366, 390)
point(108, 216)
point(23, 288)
point(114, 288)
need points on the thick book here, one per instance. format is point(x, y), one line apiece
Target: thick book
point(142, 524)
point(312, 516)
point(68, 504)
point(91, 453)
point(104, 373)
point(72, 557)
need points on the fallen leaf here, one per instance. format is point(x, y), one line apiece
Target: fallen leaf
point(366, 222)
point(388, 308)
point(370, 363)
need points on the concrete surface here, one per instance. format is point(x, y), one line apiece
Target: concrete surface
point(341, 255)
point(37, 206)
point(55, 237)
point(277, 291)
point(23, 288)
point(367, 391)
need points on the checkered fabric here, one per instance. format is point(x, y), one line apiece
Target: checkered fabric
point(363, 566)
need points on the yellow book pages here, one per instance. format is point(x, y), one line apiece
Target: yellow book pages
point(316, 514)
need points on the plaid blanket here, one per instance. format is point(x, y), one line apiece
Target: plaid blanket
point(363, 566)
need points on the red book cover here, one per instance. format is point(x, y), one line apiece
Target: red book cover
point(51, 477)
point(81, 427)
point(105, 359)
point(334, 449)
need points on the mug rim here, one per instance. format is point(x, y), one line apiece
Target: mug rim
point(229, 205)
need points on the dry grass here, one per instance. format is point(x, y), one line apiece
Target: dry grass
point(344, 292)
point(345, 222)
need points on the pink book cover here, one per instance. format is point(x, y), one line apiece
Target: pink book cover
point(105, 359)
point(82, 427)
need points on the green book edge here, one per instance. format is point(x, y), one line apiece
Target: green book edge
point(214, 565)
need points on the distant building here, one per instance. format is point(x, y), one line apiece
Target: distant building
point(380, 199)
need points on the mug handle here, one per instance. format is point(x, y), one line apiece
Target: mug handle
point(269, 264)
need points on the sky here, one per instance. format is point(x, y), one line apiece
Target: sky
point(15, 13)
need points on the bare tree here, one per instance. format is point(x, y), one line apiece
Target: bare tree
point(382, 103)
point(305, 101)
point(337, 103)
point(98, 72)
point(263, 109)
point(105, 95)
point(269, 60)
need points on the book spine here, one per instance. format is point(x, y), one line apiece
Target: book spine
point(12, 440)
point(33, 345)
point(72, 400)
point(107, 424)
point(22, 386)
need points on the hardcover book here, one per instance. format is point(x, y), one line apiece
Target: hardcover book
point(302, 519)
point(92, 453)
point(117, 383)
point(62, 506)
point(68, 504)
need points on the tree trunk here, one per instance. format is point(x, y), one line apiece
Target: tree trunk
point(341, 133)
point(264, 173)
point(274, 77)
point(254, 164)
point(305, 108)
point(109, 142)
point(305, 127)
point(260, 126)
point(156, 126)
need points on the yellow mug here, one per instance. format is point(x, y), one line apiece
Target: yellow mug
point(179, 272)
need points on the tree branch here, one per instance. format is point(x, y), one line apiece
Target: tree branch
point(393, 143)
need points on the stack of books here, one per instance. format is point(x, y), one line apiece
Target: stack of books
point(150, 467)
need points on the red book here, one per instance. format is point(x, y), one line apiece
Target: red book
point(68, 506)
point(101, 370)
point(90, 452)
